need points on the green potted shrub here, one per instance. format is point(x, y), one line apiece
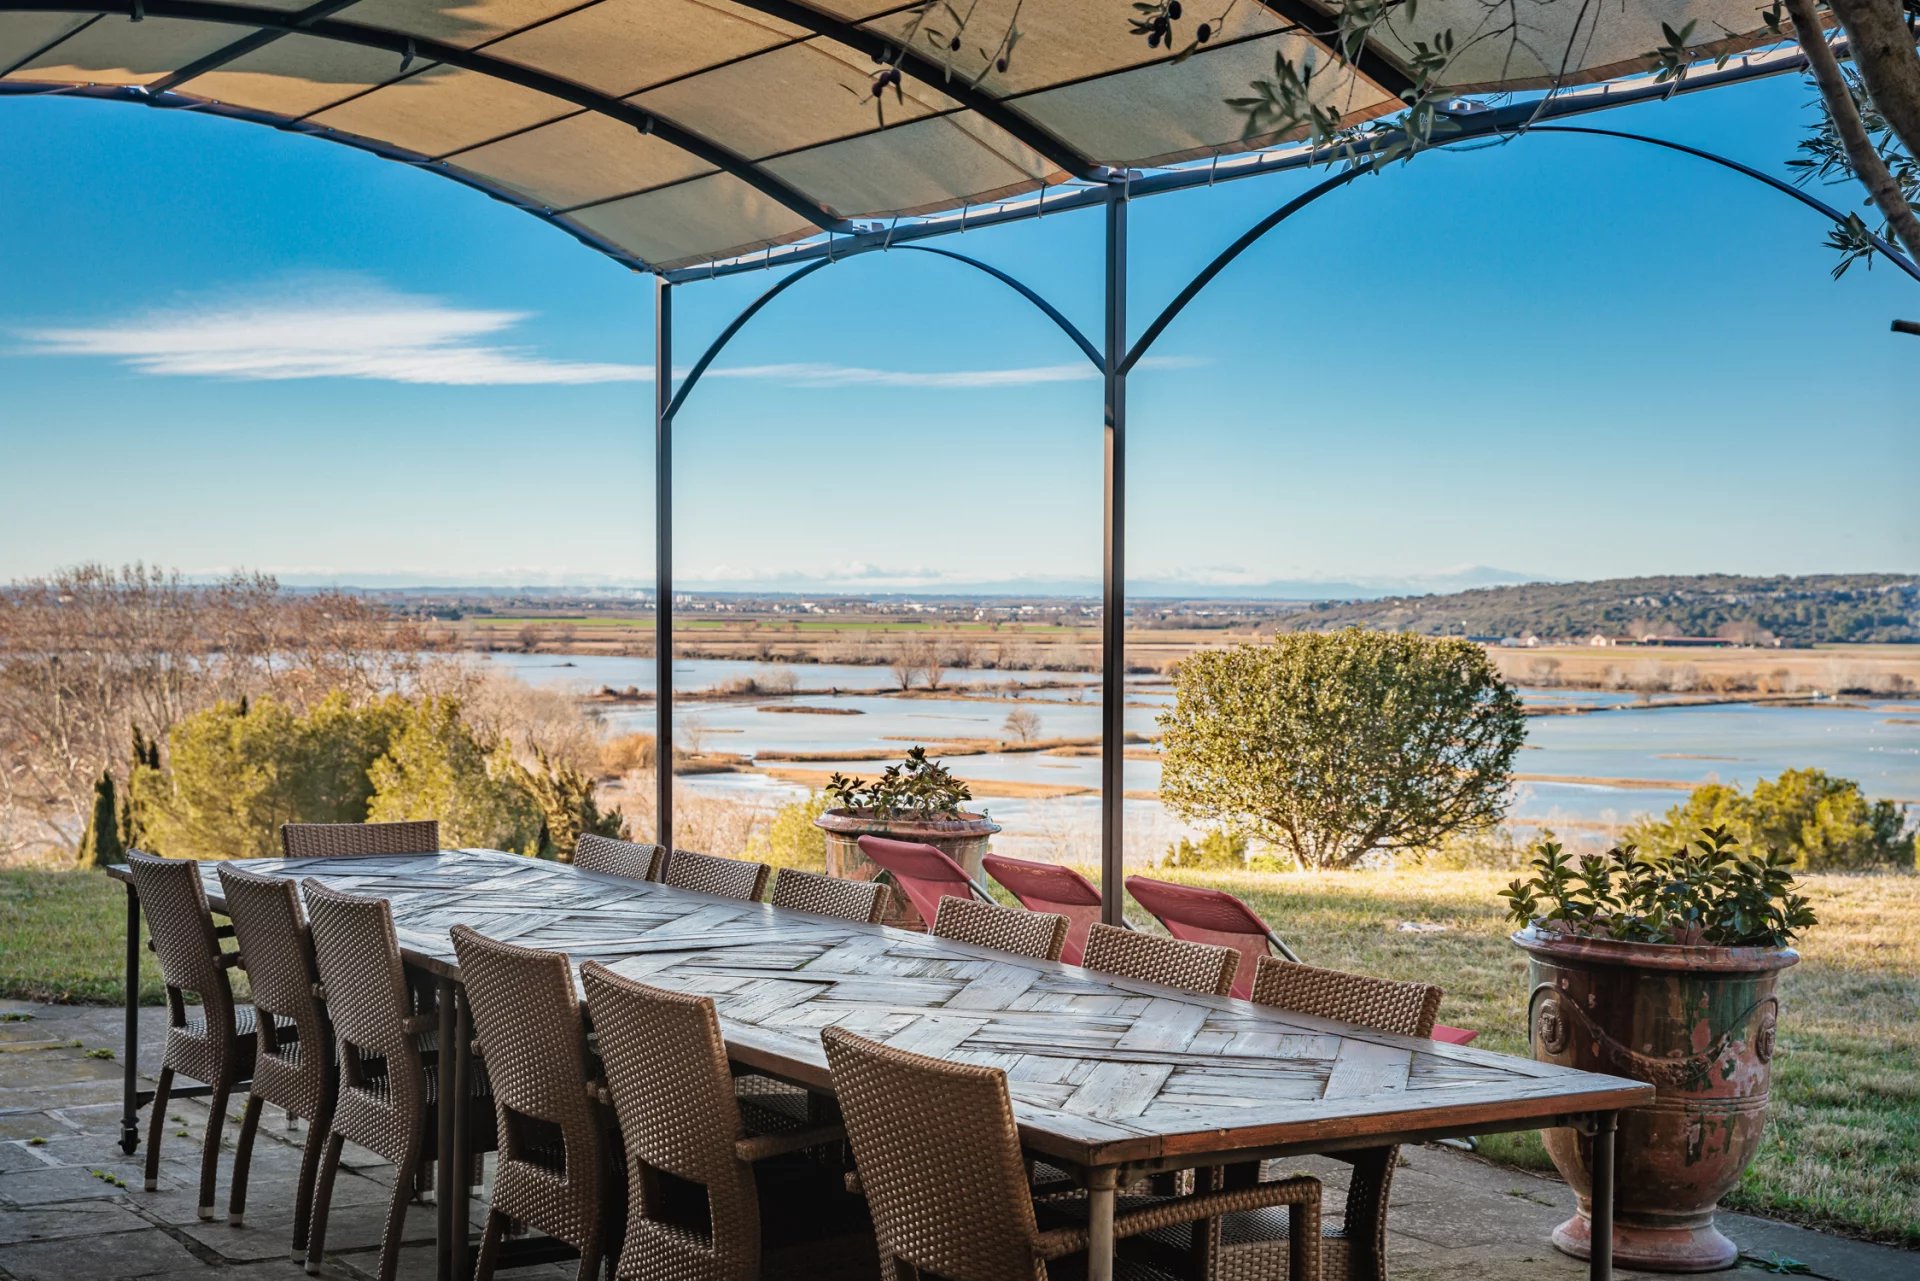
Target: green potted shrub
point(916, 800)
point(1661, 967)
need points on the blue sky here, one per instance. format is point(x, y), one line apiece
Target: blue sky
point(1566, 357)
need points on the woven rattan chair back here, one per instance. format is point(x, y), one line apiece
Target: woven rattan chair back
point(534, 1043)
point(1406, 1009)
point(679, 1119)
point(181, 926)
point(723, 877)
point(293, 1066)
point(1040, 935)
point(359, 840)
point(212, 1041)
point(277, 950)
point(383, 1099)
point(1152, 958)
point(616, 857)
point(829, 896)
point(940, 1161)
point(1050, 887)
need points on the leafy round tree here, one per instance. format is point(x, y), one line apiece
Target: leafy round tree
point(1334, 745)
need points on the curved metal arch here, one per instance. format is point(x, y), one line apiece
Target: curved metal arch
point(1280, 215)
point(1234, 250)
point(1889, 251)
point(752, 309)
point(426, 50)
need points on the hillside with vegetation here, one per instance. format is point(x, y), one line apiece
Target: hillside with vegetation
point(1806, 609)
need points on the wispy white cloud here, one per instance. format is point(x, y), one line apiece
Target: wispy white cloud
point(333, 329)
point(329, 332)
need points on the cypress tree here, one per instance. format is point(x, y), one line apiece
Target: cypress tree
point(100, 846)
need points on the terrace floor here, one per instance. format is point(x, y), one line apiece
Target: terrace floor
point(71, 1204)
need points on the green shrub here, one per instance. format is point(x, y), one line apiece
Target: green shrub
point(1220, 848)
point(438, 768)
point(790, 839)
point(237, 771)
point(1704, 890)
point(1331, 747)
point(1825, 824)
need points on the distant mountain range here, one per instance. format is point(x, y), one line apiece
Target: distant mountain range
point(879, 585)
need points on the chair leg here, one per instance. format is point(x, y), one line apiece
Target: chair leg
point(322, 1202)
point(489, 1246)
point(589, 1264)
point(210, 1146)
point(397, 1217)
point(303, 1192)
point(243, 1159)
point(154, 1123)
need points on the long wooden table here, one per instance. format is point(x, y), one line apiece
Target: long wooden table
point(1110, 1077)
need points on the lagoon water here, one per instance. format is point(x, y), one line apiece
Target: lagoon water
point(1633, 747)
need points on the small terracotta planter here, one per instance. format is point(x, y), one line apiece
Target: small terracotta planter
point(965, 840)
point(1698, 1024)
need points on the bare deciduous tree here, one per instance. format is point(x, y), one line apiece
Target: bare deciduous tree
point(1022, 725)
point(903, 660)
point(89, 653)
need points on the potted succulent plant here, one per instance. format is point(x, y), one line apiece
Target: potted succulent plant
point(1661, 967)
point(916, 800)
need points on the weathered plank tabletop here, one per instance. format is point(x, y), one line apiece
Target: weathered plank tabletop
point(1109, 1075)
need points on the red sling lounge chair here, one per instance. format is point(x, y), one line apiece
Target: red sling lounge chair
point(1215, 916)
point(923, 873)
point(1048, 887)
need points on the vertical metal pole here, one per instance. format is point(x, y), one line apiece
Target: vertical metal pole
point(663, 561)
point(1113, 609)
point(130, 1052)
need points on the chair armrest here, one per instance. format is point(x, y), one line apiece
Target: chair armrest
point(759, 1147)
point(1302, 1190)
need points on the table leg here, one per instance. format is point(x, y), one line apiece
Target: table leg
point(1600, 1257)
point(130, 1052)
point(444, 1200)
point(462, 1092)
point(1101, 1184)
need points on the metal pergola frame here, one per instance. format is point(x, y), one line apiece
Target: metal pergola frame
point(1112, 356)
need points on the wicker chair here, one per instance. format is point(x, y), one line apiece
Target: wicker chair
point(388, 1090)
point(359, 840)
point(696, 1177)
point(799, 891)
point(618, 858)
point(939, 1157)
point(1040, 935)
point(213, 1041)
point(292, 1068)
point(1131, 954)
point(553, 1168)
point(722, 877)
point(1256, 1244)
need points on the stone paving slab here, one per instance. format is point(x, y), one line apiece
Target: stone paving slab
point(1454, 1217)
